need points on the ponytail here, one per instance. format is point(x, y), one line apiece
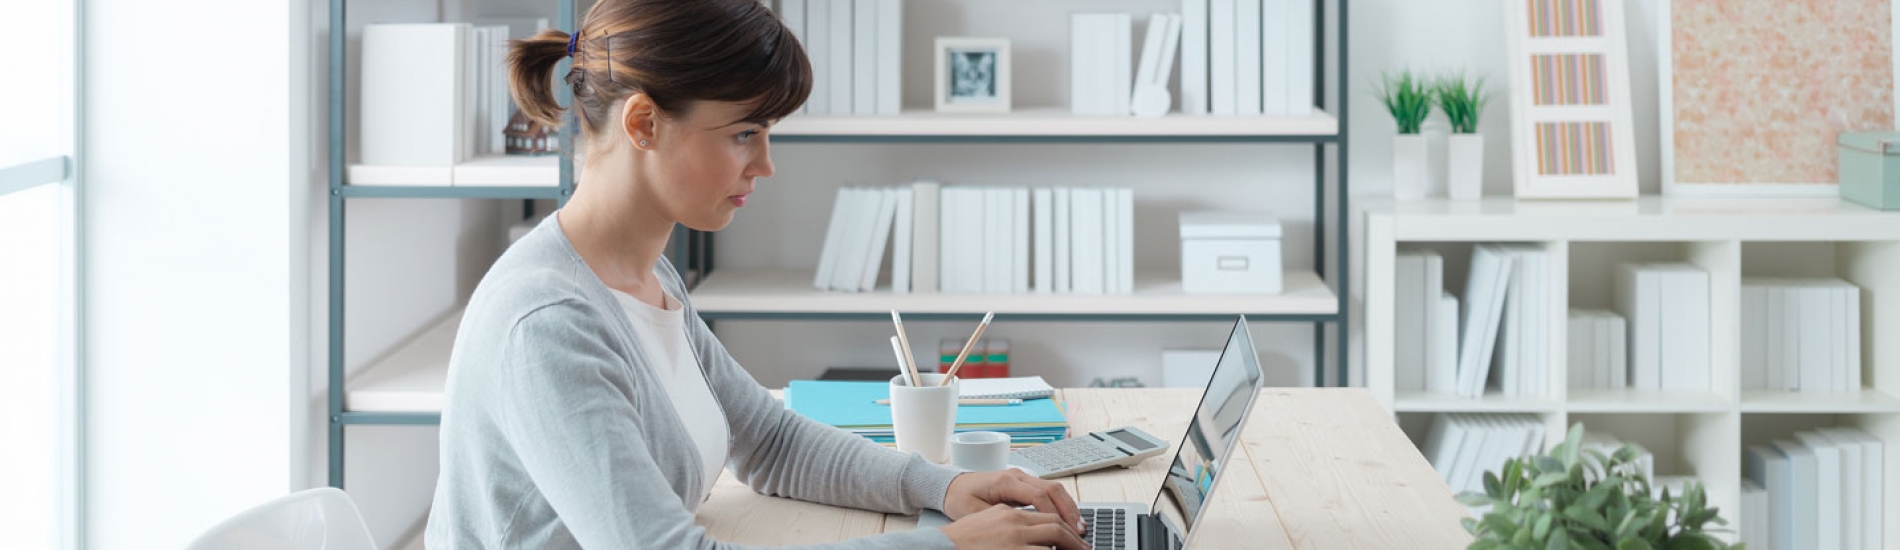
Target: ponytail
point(531, 74)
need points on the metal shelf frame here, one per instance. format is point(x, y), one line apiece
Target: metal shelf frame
point(696, 248)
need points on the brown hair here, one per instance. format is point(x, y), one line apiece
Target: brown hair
point(675, 51)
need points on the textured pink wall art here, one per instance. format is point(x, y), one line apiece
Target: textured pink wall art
point(1761, 88)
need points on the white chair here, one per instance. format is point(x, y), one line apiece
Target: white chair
point(317, 519)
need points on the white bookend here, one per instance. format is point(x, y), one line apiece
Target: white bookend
point(1580, 356)
point(857, 241)
point(1768, 466)
point(1062, 239)
point(1484, 308)
point(1086, 228)
point(995, 230)
point(1111, 243)
point(1443, 374)
point(1194, 100)
point(1247, 33)
point(1409, 311)
point(834, 237)
point(1150, 59)
point(1019, 240)
point(1127, 228)
point(1817, 368)
point(412, 89)
point(1222, 57)
point(1828, 489)
point(1638, 299)
point(890, 57)
point(1044, 224)
point(864, 20)
point(1684, 326)
point(1851, 494)
point(1275, 63)
point(902, 229)
point(880, 236)
point(925, 239)
point(842, 56)
point(1300, 44)
point(818, 51)
point(1754, 369)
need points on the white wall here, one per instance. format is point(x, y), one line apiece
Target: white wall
point(195, 225)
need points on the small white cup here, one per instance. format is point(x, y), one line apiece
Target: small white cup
point(980, 451)
point(924, 417)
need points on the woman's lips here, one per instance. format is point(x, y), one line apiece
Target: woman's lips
point(737, 200)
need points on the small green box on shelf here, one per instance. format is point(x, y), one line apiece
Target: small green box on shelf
point(1870, 168)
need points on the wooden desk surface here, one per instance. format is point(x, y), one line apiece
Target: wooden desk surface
point(1323, 468)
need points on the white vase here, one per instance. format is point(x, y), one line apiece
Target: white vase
point(1465, 166)
point(1410, 173)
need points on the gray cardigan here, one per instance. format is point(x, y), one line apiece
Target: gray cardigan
point(556, 432)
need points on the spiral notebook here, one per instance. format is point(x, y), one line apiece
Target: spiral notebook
point(1020, 387)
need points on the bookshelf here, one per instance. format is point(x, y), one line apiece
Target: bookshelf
point(1691, 433)
point(1058, 123)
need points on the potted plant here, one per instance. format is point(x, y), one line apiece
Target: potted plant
point(1463, 101)
point(1579, 498)
point(1409, 100)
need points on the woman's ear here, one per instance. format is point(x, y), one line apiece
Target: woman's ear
point(639, 120)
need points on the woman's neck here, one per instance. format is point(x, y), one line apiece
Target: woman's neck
point(618, 233)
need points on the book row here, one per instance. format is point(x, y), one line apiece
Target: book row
point(1818, 489)
point(1800, 335)
point(1462, 447)
point(1667, 308)
point(436, 94)
point(1496, 337)
point(1247, 57)
point(856, 49)
point(1598, 359)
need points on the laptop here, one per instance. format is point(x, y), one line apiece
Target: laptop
point(1193, 475)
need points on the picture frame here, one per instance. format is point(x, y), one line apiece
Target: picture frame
point(973, 75)
point(1572, 132)
point(1711, 145)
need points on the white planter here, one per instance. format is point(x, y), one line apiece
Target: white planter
point(1410, 173)
point(1465, 165)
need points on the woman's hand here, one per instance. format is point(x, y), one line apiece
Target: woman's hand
point(975, 492)
point(1004, 526)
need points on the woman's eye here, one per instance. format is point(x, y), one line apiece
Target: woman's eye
point(746, 136)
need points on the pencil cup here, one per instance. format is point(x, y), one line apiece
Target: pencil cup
point(924, 417)
point(980, 451)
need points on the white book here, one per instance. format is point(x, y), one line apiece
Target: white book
point(1150, 59)
point(1751, 513)
point(1247, 50)
point(1431, 293)
point(924, 236)
point(1872, 485)
point(1851, 483)
point(1222, 62)
point(1754, 369)
point(1771, 468)
point(1045, 238)
point(1774, 338)
point(1532, 361)
point(1816, 358)
point(1837, 334)
point(841, 205)
point(818, 51)
point(996, 233)
point(842, 56)
point(1580, 356)
point(1086, 252)
point(949, 253)
point(1601, 330)
point(902, 229)
point(1685, 327)
point(1300, 44)
point(976, 262)
point(1827, 468)
point(1275, 63)
point(1127, 238)
point(857, 251)
point(880, 235)
point(1443, 376)
point(1194, 100)
point(1019, 241)
point(1111, 243)
point(1805, 480)
point(1409, 314)
point(1123, 66)
point(1511, 328)
point(504, 102)
point(1081, 70)
point(890, 57)
point(1170, 45)
point(412, 92)
point(1062, 239)
point(1851, 326)
point(1638, 299)
point(1484, 307)
point(792, 13)
point(1440, 444)
point(1546, 316)
point(1619, 353)
point(864, 21)
point(1470, 451)
point(1791, 337)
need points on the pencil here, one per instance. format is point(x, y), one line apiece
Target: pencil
point(903, 364)
point(965, 354)
point(973, 402)
point(916, 380)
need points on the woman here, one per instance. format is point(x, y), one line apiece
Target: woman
point(587, 405)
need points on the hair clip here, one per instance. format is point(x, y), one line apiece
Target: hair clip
point(570, 42)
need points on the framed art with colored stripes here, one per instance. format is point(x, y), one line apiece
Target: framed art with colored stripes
point(1571, 130)
point(1753, 94)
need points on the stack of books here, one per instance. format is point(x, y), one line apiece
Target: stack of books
point(856, 49)
point(1462, 447)
point(1800, 335)
point(1598, 357)
point(1497, 337)
point(853, 407)
point(1825, 489)
point(1667, 306)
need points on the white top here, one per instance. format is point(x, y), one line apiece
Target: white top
point(662, 336)
point(1228, 224)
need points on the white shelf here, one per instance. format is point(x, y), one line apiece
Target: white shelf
point(1649, 218)
point(485, 171)
point(410, 379)
point(1865, 401)
point(1629, 400)
point(730, 290)
point(1490, 402)
point(1055, 122)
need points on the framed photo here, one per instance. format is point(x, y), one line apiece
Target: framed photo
point(1571, 130)
point(1753, 93)
point(972, 75)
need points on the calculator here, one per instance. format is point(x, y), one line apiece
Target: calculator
point(1123, 447)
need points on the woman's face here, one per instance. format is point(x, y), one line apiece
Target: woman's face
point(707, 163)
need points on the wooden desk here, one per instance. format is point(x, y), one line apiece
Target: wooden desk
point(1323, 468)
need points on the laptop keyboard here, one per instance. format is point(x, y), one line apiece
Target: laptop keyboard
point(1108, 527)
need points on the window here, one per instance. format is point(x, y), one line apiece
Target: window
point(38, 321)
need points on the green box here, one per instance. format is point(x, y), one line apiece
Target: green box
point(1870, 168)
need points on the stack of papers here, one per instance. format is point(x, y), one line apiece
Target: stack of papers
point(852, 406)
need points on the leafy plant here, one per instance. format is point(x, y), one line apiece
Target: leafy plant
point(1407, 97)
point(1461, 100)
point(1579, 498)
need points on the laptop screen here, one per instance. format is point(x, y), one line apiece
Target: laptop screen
point(1212, 434)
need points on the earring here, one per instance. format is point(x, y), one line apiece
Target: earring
point(643, 144)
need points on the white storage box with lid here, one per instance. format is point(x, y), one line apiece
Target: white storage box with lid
point(1229, 252)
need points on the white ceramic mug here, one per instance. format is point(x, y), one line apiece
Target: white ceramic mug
point(924, 417)
point(980, 451)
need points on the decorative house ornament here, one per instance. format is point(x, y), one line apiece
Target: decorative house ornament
point(528, 137)
point(1571, 129)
